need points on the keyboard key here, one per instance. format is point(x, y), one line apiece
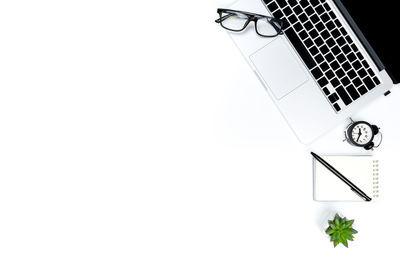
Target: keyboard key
point(317, 73)
point(320, 26)
point(332, 15)
point(325, 17)
point(369, 83)
point(351, 57)
point(318, 41)
point(340, 73)
point(352, 92)
point(308, 25)
point(314, 50)
point(292, 19)
point(337, 107)
point(362, 73)
point(329, 57)
point(322, 82)
point(343, 95)
point(338, 23)
point(371, 72)
point(272, 7)
point(336, 50)
point(346, 66)
point(346, 49)
point(287, 11)
point(278, 14)
point(326, 91)
point(308, 43)
point(354, 48)
point(335, 33)
point(303, 34)
point(309, 11)
point(335, 65)
point(348, 39)
point(314, 2)
point(298, 27)
point(329, 74)
point(324, 66)
point(319, 58)
point(365, 64)
point(356, 65)
point(330, 25)
point(330, 42)
point(281, 3)
point(343, 31)
point(335, 82)
point(324, 49)
point(352, 74)
point(341, 41)
point(303, 18)
point(341, 58)
point(326, 6)
point(376, 80)
point(357, 82)
point(313, 33)
point(292, 2)
point(294, 39)
point(345, 81)
point(333, 98)
point(362, 90)
point(314, 19)
point(304, 3)
point(319, 10)
point(297, 10)
point(359, 55)
point(325, 34)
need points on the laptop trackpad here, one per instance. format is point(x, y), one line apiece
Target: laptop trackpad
point(279, 68)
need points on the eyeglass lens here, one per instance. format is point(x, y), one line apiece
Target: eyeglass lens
point(265, 27)
point(237, 22)
point(233, 21)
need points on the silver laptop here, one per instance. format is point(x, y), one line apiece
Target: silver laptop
point(320, 71)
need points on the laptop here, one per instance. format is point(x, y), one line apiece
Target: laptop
point(332, 60)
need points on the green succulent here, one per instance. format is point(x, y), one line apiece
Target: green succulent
point(340, 230)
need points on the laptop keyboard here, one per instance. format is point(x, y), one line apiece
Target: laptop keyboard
point(327, 50)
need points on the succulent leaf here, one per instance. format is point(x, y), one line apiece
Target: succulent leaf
point(353, 231)
point(340, 230)
point(329, 231)
point(349, 223)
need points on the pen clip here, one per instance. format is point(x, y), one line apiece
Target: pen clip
point(363, 197)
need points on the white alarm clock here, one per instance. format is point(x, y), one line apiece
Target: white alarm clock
point(362, 134)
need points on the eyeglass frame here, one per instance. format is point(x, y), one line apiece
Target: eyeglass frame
point(251, 17)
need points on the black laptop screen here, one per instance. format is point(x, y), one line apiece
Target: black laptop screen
point(379, 22)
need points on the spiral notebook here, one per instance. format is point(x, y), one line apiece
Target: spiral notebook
point(363, 171)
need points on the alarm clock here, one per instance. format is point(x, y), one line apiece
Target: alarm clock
point(362, 134)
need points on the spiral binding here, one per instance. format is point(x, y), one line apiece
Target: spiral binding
point(375, 178)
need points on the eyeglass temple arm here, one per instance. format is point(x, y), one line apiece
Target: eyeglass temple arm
point(223, 18)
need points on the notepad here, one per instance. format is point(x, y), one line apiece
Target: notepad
point(363, 171)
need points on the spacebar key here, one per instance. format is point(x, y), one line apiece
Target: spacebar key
point(301, 49)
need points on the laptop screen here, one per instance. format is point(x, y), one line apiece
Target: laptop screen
point(379, 21)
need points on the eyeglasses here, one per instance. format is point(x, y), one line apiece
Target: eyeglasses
point(237, 21)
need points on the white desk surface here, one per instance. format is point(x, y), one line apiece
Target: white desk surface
point(131, 144)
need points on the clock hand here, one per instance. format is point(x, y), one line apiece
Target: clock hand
point(359, 135)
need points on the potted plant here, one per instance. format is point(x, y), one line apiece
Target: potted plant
point(340, 230)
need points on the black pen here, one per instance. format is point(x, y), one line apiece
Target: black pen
point(353, 187)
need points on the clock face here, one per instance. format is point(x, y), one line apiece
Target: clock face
point(362, 134)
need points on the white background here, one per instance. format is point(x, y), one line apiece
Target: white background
point(132, 133)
